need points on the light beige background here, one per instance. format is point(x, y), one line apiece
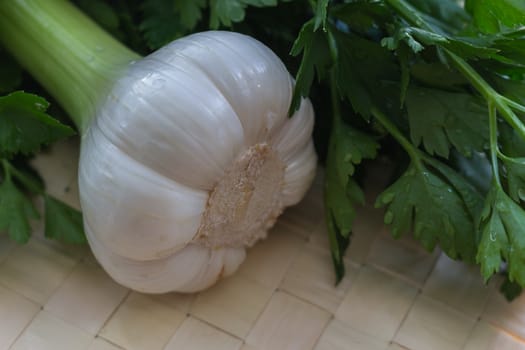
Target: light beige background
point(394, 295)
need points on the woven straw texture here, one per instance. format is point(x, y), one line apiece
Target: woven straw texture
point(394, 294)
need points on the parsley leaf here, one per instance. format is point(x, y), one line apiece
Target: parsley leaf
point(439, 119)
point(166, 20)
point(316, 59)
point(348, 147)
point(434, 208)
point(492, 16)
point(226, 12)
point(24, 125)
point(515, 170)
point(438, 75)
point(63, 222)
point(362, 67)
point(15, 210)
point(501, 226)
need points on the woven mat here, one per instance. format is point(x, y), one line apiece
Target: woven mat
point(394, 294)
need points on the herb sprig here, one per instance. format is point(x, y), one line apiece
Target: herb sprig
point(443, 82)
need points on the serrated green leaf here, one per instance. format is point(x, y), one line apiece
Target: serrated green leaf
point(502, 239)
point(190, 12)
point(476, 169)
point(315, 58)
point(440, 119)
point(342, 193)
point(515, 172)
point(15, 212)
point(167, 20)
point(492, 16)
point(340, 214)
point(350, 148)
point(464, 47)
point(339, 204)
point(63, 222)
point(472, 198)
point(226, 12)
point(435, 211)
point(437, 75)
point(24, 125)
point(402, 35)
point(361, 69)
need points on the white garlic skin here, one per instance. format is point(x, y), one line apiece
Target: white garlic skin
point(170, 130)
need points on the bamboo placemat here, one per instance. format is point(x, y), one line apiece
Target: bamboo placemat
point(394, 295)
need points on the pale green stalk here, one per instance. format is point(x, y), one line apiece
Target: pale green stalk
point(65, 51)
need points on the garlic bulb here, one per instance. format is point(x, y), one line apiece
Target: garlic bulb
point(190, 160)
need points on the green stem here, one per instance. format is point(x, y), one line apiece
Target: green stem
point(400, 138)
point(513, 104)
point(491, 95)
point(68, 53)
point(493, 139)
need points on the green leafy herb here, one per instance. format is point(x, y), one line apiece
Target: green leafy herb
point(315, 59)
point(63, 222)
point(24, 125)
point(434, 209)
point(16, 210)
point(500, 224)
point(166, 20)
point(24, 128)
point(494, 16)
point(439, 85)
point(362, 67)
point(226, 12)
point(440, 119)
point(348, 147)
